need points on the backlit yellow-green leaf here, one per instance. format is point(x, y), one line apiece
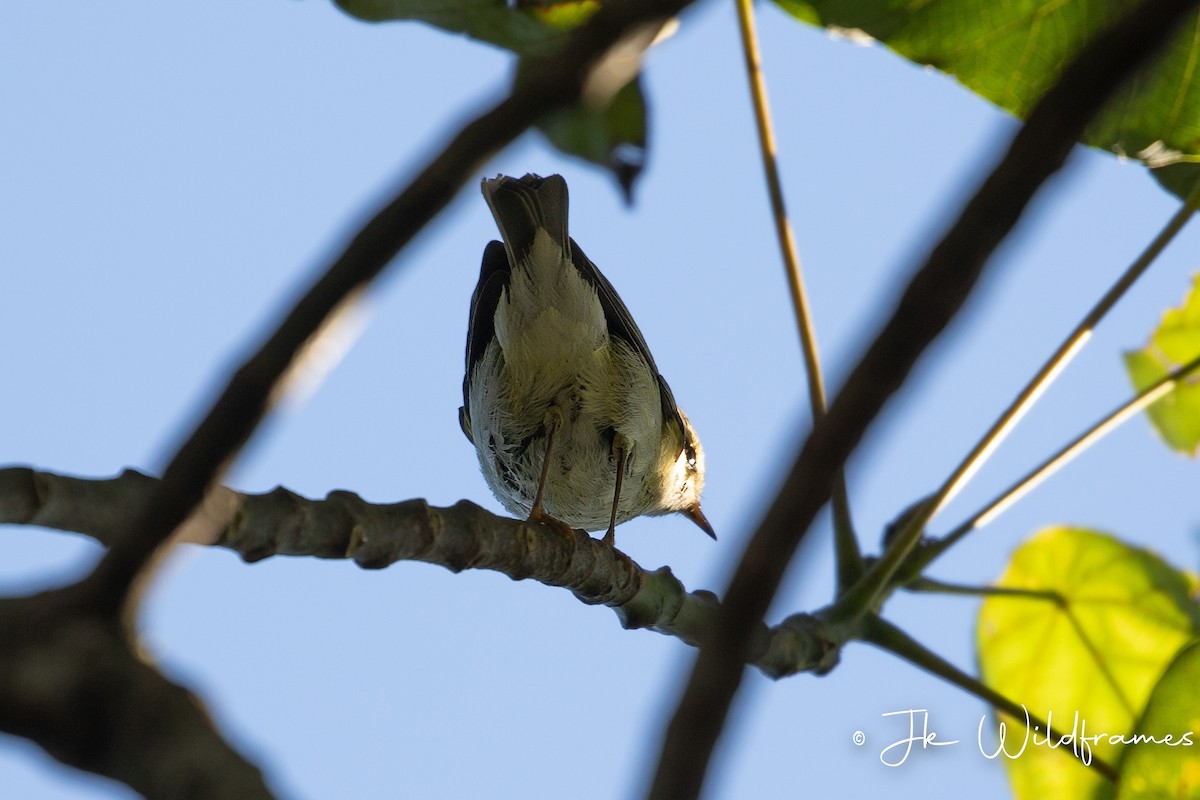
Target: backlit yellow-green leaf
point(1124, 614)
point(1175, 342)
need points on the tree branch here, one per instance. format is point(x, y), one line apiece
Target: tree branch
point(926, 553)
point(463, 536)
point(931, 300)
point(71, 684)
point(544, 84)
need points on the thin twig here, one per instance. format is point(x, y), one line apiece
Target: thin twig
point(887, 636)
point(1063, 356)
point(849, 557)
point(1142, 400)
point(931, 300)
point(931, 586)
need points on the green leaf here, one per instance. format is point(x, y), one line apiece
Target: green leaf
point(1161, 767)
point(1175, 342)
point(800, 10)
point(1012, 51)
point(1124, 614)
point(491, 21)
point(562, 15)
point(612, 136)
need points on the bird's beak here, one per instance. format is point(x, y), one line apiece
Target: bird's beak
point(694, 513)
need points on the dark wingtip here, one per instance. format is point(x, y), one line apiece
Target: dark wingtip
point(694, 513)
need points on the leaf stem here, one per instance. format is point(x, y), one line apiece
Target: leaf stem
point(888, 637)
point(931, 586)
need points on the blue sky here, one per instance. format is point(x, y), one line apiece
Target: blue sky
point(171, 176)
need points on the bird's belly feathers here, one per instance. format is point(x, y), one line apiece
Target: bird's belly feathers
point(597, 392)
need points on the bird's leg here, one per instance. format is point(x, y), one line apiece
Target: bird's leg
point(538, 513)
point(621, 447)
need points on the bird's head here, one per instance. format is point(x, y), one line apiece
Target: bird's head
point(683, 460)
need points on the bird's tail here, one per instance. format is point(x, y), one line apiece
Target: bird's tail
point(522, 206)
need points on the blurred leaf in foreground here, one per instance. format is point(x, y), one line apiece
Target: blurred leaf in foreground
point(610, 133)
point(612, 136)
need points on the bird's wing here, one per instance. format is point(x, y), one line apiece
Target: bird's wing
point(481, 327)
point(521, 207)
point(621, 326)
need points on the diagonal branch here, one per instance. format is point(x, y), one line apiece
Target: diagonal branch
point(1062, 357)
point(544, 85)
point(926, 553)
point(932, 298)
point(71, 684)
point(463, 536)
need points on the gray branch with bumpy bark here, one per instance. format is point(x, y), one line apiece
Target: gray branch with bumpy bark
point(374, 536)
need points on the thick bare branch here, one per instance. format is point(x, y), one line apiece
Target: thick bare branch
point(931, 300)
point(71, 684)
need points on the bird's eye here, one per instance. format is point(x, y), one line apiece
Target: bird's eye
point(690, 453)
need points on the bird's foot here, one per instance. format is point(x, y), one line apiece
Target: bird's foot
point(539, 515)
point(610, 537)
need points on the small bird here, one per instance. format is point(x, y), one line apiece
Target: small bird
point(571, 421)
